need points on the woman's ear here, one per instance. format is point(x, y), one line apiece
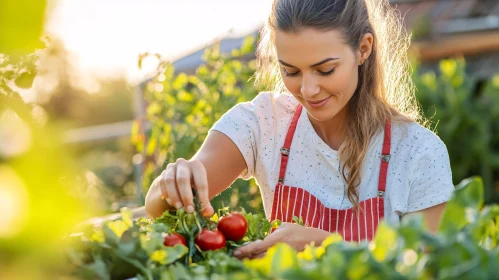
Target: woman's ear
point(365, 48)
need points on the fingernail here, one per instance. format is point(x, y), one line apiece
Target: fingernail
point(178, 205)
point(237, 253)
point(208, 209)
point(190, 209)
point(169, 201)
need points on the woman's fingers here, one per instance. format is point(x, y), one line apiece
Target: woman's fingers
point(184, 187)
point(171, 186)
point(200, 180)
point(162, 187)
point(177, 181)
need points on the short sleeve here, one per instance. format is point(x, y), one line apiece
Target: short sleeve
point(431, 176)
point(241, 124)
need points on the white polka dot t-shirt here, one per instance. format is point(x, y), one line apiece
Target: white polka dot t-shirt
point(419, 174)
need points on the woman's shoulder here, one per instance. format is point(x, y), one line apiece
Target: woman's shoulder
point(416, 137)
point(262, 113)
point(277, 103)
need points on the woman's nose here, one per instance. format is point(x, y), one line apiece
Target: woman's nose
point(309, 87)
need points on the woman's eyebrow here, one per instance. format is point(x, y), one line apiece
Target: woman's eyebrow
point(313, 65)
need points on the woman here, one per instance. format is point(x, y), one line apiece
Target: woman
point(337, 142)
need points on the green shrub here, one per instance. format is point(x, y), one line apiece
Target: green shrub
point(182, 108)
point(465, 115)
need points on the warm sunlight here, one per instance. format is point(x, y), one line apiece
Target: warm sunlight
point(167, 139)
point(107, 36)
point(13, 203)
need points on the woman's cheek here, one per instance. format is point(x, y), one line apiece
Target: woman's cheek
point(342, 83)
point(293, 85)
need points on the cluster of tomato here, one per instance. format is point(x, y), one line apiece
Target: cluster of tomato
point(230, 227)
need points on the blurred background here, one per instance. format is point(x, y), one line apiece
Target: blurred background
point(97, 96)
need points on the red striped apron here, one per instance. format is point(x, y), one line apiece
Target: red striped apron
point(292, 201)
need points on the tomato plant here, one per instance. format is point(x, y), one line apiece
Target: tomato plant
point(466, 247)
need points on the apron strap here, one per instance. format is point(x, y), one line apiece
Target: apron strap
point(385, 154)
point(385, 158)
point(287, 143)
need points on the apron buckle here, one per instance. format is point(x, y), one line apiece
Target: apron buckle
point(385, 158)
point(285, 151)
point(381, 193)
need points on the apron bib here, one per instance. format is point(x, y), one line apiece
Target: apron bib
point(292, 201)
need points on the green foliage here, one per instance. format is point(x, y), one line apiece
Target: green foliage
point(421, 29)
point(16, 74)
point(258, 226)
point(182, 108)
point(21, 25)
point(36, 173)
point(466, 115)
point(124, 248)
point(466, 247)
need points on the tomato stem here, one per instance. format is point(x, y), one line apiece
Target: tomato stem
point(197, 222)
point(184, 224)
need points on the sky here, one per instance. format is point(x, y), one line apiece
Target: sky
point(105, 37)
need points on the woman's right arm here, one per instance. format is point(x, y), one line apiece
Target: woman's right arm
point(216, 165)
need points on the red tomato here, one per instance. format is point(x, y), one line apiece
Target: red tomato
point(174, 239)
point(233, 226)
point(210, 240)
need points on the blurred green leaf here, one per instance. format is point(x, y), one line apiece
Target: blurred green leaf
point(248, 45)
point(385, 242)
point(278, 259)
point(448, 67)
point(151, 146)
point(25, 80)
point(96, 270)
point(180, 81)
point(463, 206)
point(110, 236)
point(21, 25)
point(154, 109)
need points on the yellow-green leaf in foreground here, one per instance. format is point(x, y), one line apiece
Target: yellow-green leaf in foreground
point(21, 25)
point(279, 258)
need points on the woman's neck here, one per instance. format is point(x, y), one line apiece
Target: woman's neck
point(332, 131)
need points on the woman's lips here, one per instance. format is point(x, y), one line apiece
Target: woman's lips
point(318, 103)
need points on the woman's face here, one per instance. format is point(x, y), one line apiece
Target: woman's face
point(319, 69)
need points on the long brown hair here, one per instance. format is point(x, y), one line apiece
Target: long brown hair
point(385, 89)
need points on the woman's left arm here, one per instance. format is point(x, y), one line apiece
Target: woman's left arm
point(295, 235)
point(430, 183)
point(431, 215)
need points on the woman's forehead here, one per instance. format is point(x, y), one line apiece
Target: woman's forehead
point(309, 45)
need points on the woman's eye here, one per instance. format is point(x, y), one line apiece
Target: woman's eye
point(322, 73)
point(326, 73)
point(290, 74)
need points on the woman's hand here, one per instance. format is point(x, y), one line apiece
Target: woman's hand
point(173, 188)
point(295, 235)
point(217, 164)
